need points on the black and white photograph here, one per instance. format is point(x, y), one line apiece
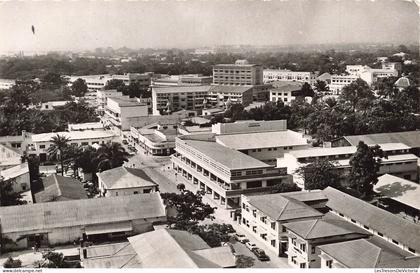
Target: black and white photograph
point(209, 134)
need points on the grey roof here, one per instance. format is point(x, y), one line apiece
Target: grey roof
point(281, 208)
point(59, 188)
point(378, 219)
point(50, 215)
point(286, 86)
point(328, 226)
point(262, 140)
point(306, 196)
point(119, 255)
point(228, 157)
point(181, 89)
point(229, 89)
point(377, 253)
point(123, 178)
point(126, 101)
point(409, 138)
point(401, 190)
point(402, 82)
point(166, 248)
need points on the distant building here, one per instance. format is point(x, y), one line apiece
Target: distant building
point(338, 82)
point(182, 80)
point(123, 181)
point(6, 84)
point(399, 161)
point(220, 95)
point(19, 176)
point(273, 75)
point(284, 91)
point(51, 105)
point(98, 82)
point(392, 66)
point(240, 73)
point(58, 188)
point(94, 126)
point(402, 83)
point(52, 223)
point(162, 248)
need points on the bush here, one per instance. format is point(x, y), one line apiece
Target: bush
point(12, 263)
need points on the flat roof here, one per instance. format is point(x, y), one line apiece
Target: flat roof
point(409, 138)
point(74, 135)
point(61, 214)
point(399, 189)
point(229, 89)
point(181, 89)
point(85, 126)
point(230, 158)
point(313, 152)
point(391, 158)
point(126, 102)
point(262, 140)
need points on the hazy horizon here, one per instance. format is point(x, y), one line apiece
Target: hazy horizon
point(70, 26)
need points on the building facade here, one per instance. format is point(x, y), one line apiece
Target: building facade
point(119, 111)
point(240, 73)
point(272, 75)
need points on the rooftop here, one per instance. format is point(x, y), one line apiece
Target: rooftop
point(42, 216)
point(409, 138)
point(228, 157)
point(262, 140)
point(378, 219)
point(402, 82)
point(399, 189)
point(125, 101)
point(229, 89)
point(182, 89)
point(376, 254)
point(15, 171)
point(286, 86)
point(85, 126)
point(280, 207)
point(327, 226)
point(74, 135)
point(59, 188)
point(313, 152)
point(117, 255)
point(123, 178)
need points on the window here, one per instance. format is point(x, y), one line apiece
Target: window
point(273, 225)
point(254, 213)
point(116, 193)
point(328, 263)
point(313, 250)
point(294, 241)
point(302, 265)
point(273, 243)
point(412, 250)
point(136, 192)
point(42, 146)
point(395, 242)
point(366, 227)
point(243, 205)
point(354, 221)
point(303, 247)
point(342, 215)
point(380, 234)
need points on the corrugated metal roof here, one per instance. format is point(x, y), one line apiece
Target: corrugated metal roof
point(123, 178)
point(43, 216)
point(390, 225)
point(409, 138)
point(57, 186)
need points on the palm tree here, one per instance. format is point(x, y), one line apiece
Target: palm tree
point(57, 150)
point(86, 159)
point(111, 155)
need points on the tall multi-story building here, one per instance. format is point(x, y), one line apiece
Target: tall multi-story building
point(102, 95)
point(119, 111)
point(272, 75)
point(284, 91)
point(339, 81)
point(220, 95)
point(240, 73)
point(175, 98)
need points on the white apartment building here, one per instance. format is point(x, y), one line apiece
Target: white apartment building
point(177, 98)
point(239, 73)
point(51, 105)
point(372, 75)
point(19, 175)
point(156, 139)
point(222, 172)
point(284, 91)
point(181, 80)
point(400, 161)
point(221, 95)
point(98, 82)
point(262, 140)
point(40, 143)
point(265, 215)
point(119, 111)
point(102, 95)
point(6, 84)
point(272, 75)
point(339, 81)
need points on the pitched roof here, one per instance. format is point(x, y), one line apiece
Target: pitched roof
point(228, 157)
point(402, 82)
point(262, 140)
point(378, 219)
point(306, 196)
point(42, 216)
point(123, 178)
point(15, 171)
point(376, 253)
point(409, 138)
point(327, 226)
point(166, 248)
point(118, 255)
point(229, 89)
point(59, 188)
point(399, 189)
point(74, 135)
point(279, 207)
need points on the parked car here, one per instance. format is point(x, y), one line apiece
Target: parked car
point(261, 254)
point(125, 142)
point(251, 246)
point(240, 238)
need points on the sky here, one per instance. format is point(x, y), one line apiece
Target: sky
point(79, 25)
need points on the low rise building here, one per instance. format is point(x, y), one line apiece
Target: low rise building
point(221, 95)
point(58, 188)
point(338, 82)
point(392, 66)
point(19, 176)
point(272, 75)
point(305, 238)
point(9, 157)
point(119, 111)
point(265, 216)
point(156, 139)
point(123, 181)
point(41, 142)
point(94, 126)
point(53, 223)
point(98, 82)
point(102, 95)
point(284, 91)
point(52, 105)
point(399, 161)
point(19, 142)
point(222, 172)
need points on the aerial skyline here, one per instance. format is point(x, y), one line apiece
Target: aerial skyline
point(165, 24)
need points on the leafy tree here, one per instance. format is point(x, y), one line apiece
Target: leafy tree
point(306, 90)
point(79, 87)
point(321, 87)
point(33, 165)
point(319, 175)
point(52, 80)
point(8, 197)
point(86, 159)
point(12, 263)
point(180, 186)
point(119, 85)
point(111, 155)
point(53, 259)
point(285, 186)
point(214, 234)
point(385, 87)
point(365, 164)
point(58, 148)
point(189, 207)
point(355, 92)
point(243, 261)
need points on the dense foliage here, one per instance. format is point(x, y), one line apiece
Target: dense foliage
point(319, 175)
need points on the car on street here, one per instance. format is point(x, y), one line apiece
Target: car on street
point(125, 142)
point(261, 254)
point(240, 238)
point(251, 246)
